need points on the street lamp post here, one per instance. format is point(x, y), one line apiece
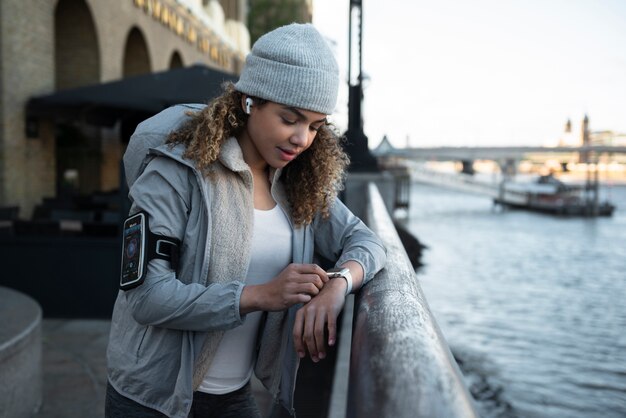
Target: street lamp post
point(356, 145)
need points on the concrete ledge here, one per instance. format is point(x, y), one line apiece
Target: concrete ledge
point(400, 364)
point(20, 355)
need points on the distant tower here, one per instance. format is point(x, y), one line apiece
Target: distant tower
point(566, 139)
point(584, 132)
point(584, 139)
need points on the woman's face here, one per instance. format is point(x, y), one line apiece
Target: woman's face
point(276, 134)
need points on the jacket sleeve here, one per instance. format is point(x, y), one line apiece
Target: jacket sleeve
point(343, 237)
point(163, 191)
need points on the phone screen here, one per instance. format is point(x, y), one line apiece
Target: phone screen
point(133, 249)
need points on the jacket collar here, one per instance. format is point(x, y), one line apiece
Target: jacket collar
point(232, 156)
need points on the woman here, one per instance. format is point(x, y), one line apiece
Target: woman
point(248, 186)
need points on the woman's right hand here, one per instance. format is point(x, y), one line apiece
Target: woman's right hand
point(297, 283)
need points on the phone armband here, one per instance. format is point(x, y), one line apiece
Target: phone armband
point(139, 246)
point(134, 243)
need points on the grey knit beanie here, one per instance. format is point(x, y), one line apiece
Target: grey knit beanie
point(292, 65)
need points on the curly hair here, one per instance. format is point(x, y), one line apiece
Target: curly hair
point(311, 181)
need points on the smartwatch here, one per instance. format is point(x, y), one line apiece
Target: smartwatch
point(344, 273)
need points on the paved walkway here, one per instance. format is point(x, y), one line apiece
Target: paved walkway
point(74, 369)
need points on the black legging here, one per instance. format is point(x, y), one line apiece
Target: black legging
point(237, 404)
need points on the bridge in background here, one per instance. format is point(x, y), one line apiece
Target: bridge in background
point(507, 157)
point(385, 149)
point(409, 164)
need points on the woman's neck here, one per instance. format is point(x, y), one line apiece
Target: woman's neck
point(260, 174)
point(262, 189)
point(251, 155)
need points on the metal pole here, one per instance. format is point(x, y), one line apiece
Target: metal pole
point(356, 145)
point(350, 44)
point(360, 45)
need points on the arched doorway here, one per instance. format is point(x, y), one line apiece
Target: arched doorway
point(76, 52)
point(176, 61)
point(136, 56)
point(77, 63)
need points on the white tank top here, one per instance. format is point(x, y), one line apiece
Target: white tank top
point(270, 253)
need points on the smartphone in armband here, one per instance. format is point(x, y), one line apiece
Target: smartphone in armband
point(134, 245)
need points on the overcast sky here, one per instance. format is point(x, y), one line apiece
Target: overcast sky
point(484, 72)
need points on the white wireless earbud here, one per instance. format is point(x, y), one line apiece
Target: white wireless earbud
point(249, 103)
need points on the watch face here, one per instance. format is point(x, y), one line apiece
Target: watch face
point(337, 272)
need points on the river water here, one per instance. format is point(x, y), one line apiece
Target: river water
point(533, 306)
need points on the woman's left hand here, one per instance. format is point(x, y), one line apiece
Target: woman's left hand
point(315, 317)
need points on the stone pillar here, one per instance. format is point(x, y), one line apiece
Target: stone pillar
point(27, 168)
point(20, 355)
point(356, 188)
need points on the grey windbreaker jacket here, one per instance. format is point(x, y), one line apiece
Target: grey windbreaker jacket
point(164, 333)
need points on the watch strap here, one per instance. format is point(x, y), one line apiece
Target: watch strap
point(348, 277)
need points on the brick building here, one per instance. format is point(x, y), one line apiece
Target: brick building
point(48, 46)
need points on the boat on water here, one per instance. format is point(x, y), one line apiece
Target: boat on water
point(550, 195)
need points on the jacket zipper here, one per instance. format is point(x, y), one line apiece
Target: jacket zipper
point(141, 343)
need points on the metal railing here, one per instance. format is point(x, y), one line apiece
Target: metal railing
point(400, 364)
